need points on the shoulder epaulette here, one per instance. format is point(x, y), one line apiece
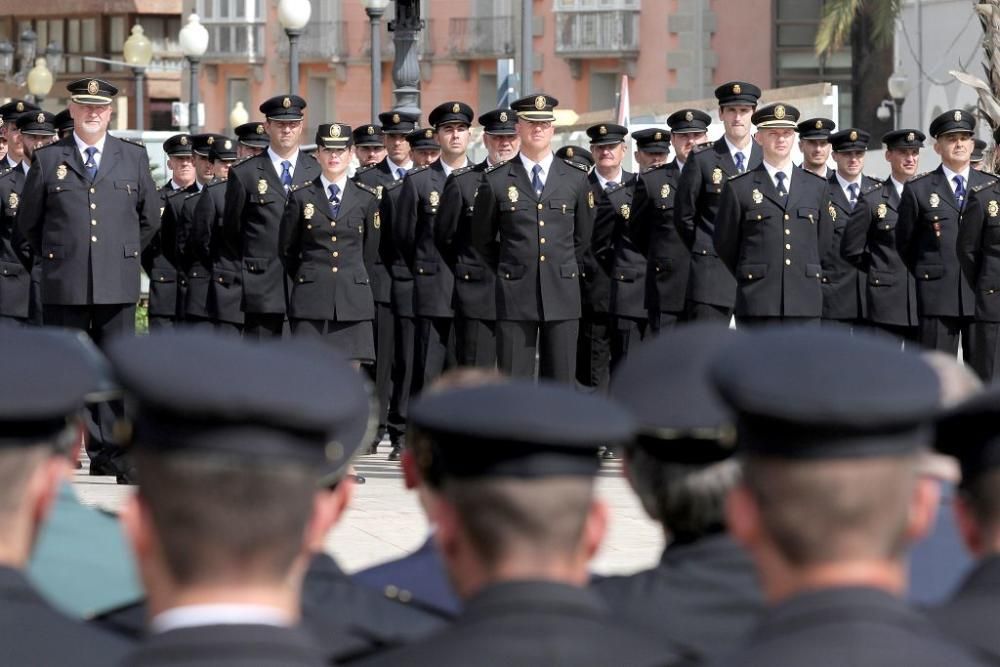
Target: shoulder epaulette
point(416, 170)
point(701, 148)
point(133, 141)
point(983, 186)
point(496, 166)
point(919, 176)
point(463, 170)
point(392, 185)
point(363, 169)
point(240, 161)
point(174, 193)
point(662, 165)
point(582, 167)
point(874, 187)
point(369, 189)
point(195, 194)
point(299, 186)
point(750, 171)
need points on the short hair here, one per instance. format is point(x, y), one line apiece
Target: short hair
point(222, 519)
point(535, 520)
point(982, 495)
point(823, 511)
point(16, 466)
point(687, 499)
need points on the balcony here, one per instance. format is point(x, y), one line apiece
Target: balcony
point(475, 38)
point(425, 41)
point(597, 34)
point(322, 41)
point(234, 41)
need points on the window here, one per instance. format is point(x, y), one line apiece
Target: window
point(604, 90)
point(318, 96)
point(487, 92)
point(237, 90)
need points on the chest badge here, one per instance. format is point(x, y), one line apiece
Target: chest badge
point(833, 213)
point(993, 208)
point(757, 196)
point(664, 191)
point(261, 186)
point(934, 200)
point(435, 198)
point(376, 220)
point(13, 200)
point(626, 211)
point(61, 172)
point(512, 194)
point(882, 211)
point(717, 176)
point(308, 211)
point(590, 198)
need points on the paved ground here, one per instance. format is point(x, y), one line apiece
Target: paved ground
point(385, 520)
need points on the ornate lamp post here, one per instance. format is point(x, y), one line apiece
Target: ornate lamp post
point(293, 16)
point(899, 86)
point(375, 9)
point(406, 28)
point(194, 43)
point(138, 53)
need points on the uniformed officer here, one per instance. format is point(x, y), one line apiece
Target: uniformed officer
point(255, 199)
point(577, 154)
point(703, 594)
point(537, 215)
point(773, 226)
point(660, 148)
point(9, 113)
point(329, 236)
point(978, 153)
point(711, 288)
point(424, 147)
point(202, 150)
point(930, 212)
point(814, 143)
point(413, 227)
point(843, 282)
point(688, 129)
point(510, 467)
point(869, 239)
point(396, 125)
point(475, 280)
point(369, 145)
point(831, 496)
point(252, 139)
point(63, 123)
point(46, 381)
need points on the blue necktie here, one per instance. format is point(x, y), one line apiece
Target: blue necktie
point(400, 173)
point(536, 181)
point(853, 199)
point(780, 177)
point(740, 164)
point(286, 174)
point(609, 186)
point(959, 191)
point(334, 199)
point(91, 163)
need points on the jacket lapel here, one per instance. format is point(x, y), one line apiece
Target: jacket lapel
point(762, 181)
point(797, 187)
point(943, 189)
point(110, 157)
point(551, 184)
point(520, 178)
point(306, 169)
point(265, 171)
point(72, 158)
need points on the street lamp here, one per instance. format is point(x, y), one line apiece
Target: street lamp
point(238, 115)
point(194, 43)
point(138, 53)
point(375, 9)
point(899, 86)
point(39, 80)
point(405, 29)
point(293, 16)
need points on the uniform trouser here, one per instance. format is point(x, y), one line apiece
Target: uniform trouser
point(663, 321)
point(755, 322)
point(855, 326)
point(626, 332)
point(593, 350)
point(433, 350)
point(706, 312)
point(554, 341)
point(942, 333)
point(402, 375)
point(381, 371)
point(229, 328)
point(984, 353)
point(906, 334)
point(199, 323)
point(160, 322)
point(263, 325)
point(476, 342)
point(101, 322)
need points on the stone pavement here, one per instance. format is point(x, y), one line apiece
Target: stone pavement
point(385, 521)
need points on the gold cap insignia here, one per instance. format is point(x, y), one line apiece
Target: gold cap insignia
point(455, 108)
point(934, 200)
point(61, 172)
point(602, 130)
point(626, 211)
point(737, 89)
point(395, 119)
point(911, 137)
point(308, 211)
point(228, 145)
point(757, 196)
point(689, 116)
point(658, 136)
point(503, 116)
point(286, 103)
point(664, 191)
point(335, 130)
point(993, 208)
point(12, 201)
point(428, 133)
point(512, 194)
point(958, 116)
point(260, 129)
point(20, 106)
point(434, 198)
point(93, 87)
point(261, 186)
point(882, 211)
point(540, 102)
point(779, 111)
point(819, 125)
point(854, 136)
point(210, 141)
point(184, 141)
point(716, 175)
point(40, 118)
point(371, 130)
point(569, 152)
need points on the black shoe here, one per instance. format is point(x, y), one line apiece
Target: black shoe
point(373, 448)
point(118, 465)
point(608, 454)
point(397, 449)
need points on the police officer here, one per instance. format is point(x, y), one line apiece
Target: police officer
point(252, 139)
point(541, 211)
point(831, 495)
point(978, 155)
point(413, 227)
point(843, 283)
point(369, 145)
point(510, 467)
point(577, 154)
point(475, 281)
point(773, 225)
point(711, 288)
point(927, 232)
point(328, 238)
point(9, 113)
point(255, 200)
point(703, 594)
point(814, 143)
point(63, 123)
point(869, 239)
point(688, 129)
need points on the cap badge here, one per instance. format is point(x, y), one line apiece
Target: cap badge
point(12, 201)
point(512, 194)
point(371, 130)
point(658, 136)
point(308, 211)
point(260, 129)
point(569, 152)
point(882, 211)
point(210, 141)
point(717, 176)
point(395, 119)
point(737, 89)
point(184, 141)
point(779, 112)
point(503, 116)
point(228, 145)
point(757, 196)
point(455, 108)
point(819, 125)
point(40, 118)
point(540, 102)
point(911, 137)
point(993, 208)
point(93, 87)
point(934, 200)
point(664, 191)
point(626, 211)
point(958, 116)
point(261, 186)
point(335, 130)
point(20, 106)
point(689, 116)
point(590, 198)
point(286, 103)
point(602, 130)
point(61, 172)
point(434, 198)
point(376, 220)
point(428, 133)
point(854, 135)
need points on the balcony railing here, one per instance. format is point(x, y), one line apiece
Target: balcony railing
point(425, 41)
point(597, 34)
point(485, 37)
point(235, 41)
point(321, 41)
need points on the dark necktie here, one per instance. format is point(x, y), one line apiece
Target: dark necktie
point(853, 199)
point(959, 190)
point(400, 172)
point(334, 199)
point(536, 181)
point(286, 174)
point(740, 162)
point(609, 186)
point(91, 163)
point(782, 191)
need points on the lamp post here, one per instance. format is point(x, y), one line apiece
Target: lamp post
point(899, 86)
point(194, 43)
point(405, 68)
point(293, 16)
point(375, 9)
point(238, 115)
point(39, 80)
point(138, 53)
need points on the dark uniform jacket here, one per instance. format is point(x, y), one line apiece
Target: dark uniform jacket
point(89, 235)
point(375, 176)
point(255, 202)
point(475, 281)
point(413, 223)
point(869, 242)
point(161, 258)
point(656, 233)
point(532, 623)
point(979, 249)
point(847, 626)
point(419, 575)
point(209, 249)
point(326, 256)
point(399, 287)
point(969, 617)
point(197, 270)
point(927, 239)
point(36, 634)
point(773, 248)
point(703, 597)
point(628, 264)
point(698, 192)
point(595, 284)
point(843, 282)
point(16, 258)
point(536, 244)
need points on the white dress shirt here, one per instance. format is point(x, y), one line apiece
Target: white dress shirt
point(787, 170)
point(448, 170)
point(200, 615)
point(604, 181)
point(82, 146)
point(545, 164)
point(276, 160)
point(897, 185)
point(844, 186)
point(394, 168)
point(734, 149)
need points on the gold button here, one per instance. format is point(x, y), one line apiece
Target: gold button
point(93, 205)
point(391, 592)
point(418, 270)
point(333, 239)
point(788, 232)
point(337, 254)
point(93, 223)
point(542, 258)
point(506, 275)
point(335, 269)
point(161, 277)
point(302, 280)
point(759, 216)
point(704, 252)
point(333, 224)
point(621, 276)
point(541, 223)
point(788, 246)
point(876, 281)
point(220, 279)
point(542, 241)
point(93, 191)
point(309, 226)
point(466, 276)
point(788, 262)
point(786, 216)
point(540, 207)
point(94, 239)
point(749, 276)
point(926, 276)
point(405, 596)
